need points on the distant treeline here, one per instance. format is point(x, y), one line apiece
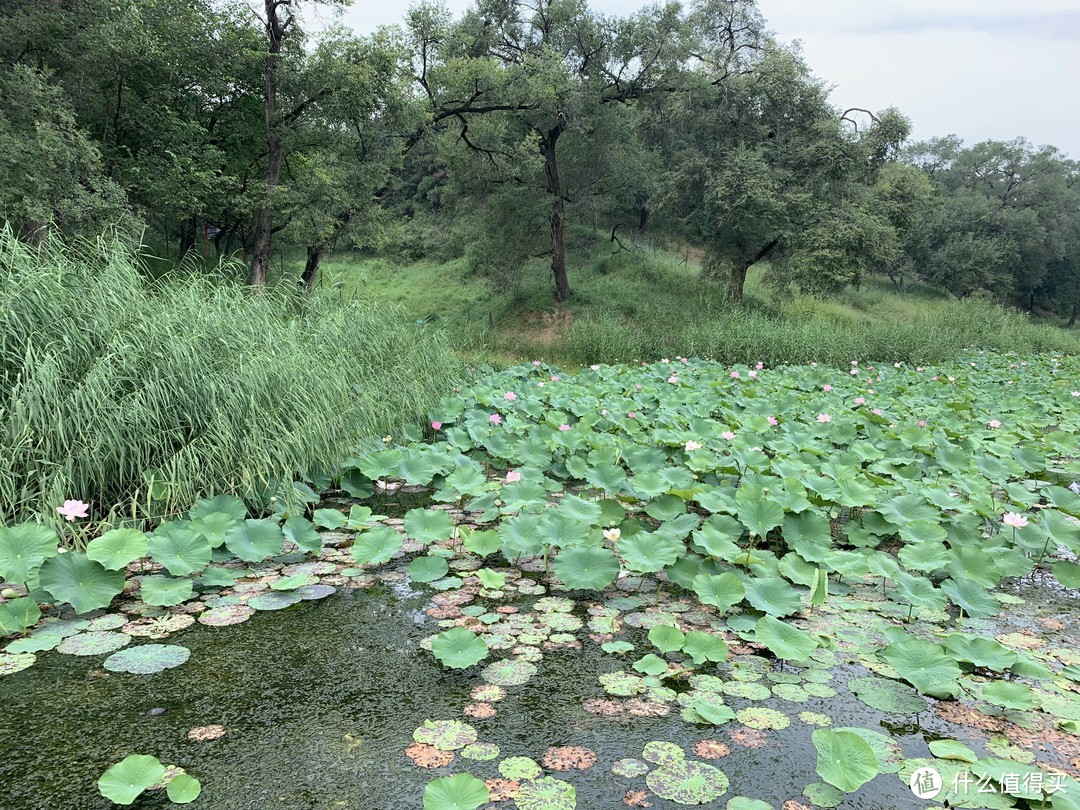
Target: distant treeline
point(491, 134)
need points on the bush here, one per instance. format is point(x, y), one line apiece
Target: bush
point(140, 397)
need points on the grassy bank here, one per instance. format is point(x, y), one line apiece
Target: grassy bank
point(139, 396)
point(654, 303)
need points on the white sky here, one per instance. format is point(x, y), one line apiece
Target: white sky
point(977, 68)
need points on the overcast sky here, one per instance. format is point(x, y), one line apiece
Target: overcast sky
point(977, 68)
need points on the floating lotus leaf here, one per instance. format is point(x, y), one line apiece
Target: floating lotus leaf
point(822, 795)
point(428, 568)
point(275, 600)
point(586, 567)
point(206, 733)
point(38, 642)
point(620, 647)
point(629, 768)
point(747, 690)
point(791, 692)
point(147, 659)
point(508, 673)
point(165, 591)
point(78, 580)
point(127, 779)
point(487, 693)
point(951, 749)
point(18, 615)
point(226, 615)
point(293, 582)
point(761, 717)
point(460, 792)
point(663, 753)
point(569, 757)
point(95, 643)
point(1009, 695)
point(651, 665)
point(183, 789)
point(214, 577)
point(312, 592)
point(845, 760)
point(10, 664)
point(519, 768)
point(23, 548)
point(546, 794)
point(64, 627)
point(446, 735)
point(742, 803)
point(480, 752)
point(688, 782)
point(459, 648)
point(116, 548)
point(889, 754)
point(711, 711)
point(815, 719)
point(887, 696)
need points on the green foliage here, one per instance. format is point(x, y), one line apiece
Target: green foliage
point(141, 397)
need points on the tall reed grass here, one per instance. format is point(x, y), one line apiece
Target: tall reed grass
point(139, 396)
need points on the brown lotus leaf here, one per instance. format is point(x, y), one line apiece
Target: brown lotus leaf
point(204, 733)
point(487, 693)
point(480, 711)
point(569, 757)
point(791, 804)
point(444, 612)
point(740, 649)
point(506, 609)
point(637, 798)
point(428, 756)
point(603, 707)
point(647, 708)
point(1051, 623)
point(469, 623)
point(501, 790)
point(711, 749)
point(600, 638)
point(749, 737)
point(1062, 750)
point(956, 712)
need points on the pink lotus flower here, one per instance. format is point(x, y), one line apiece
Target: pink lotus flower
point(854, 372)
point(934, 378)
point(509, 396)
point(564, 427)
point(673, 379)
point(513, 476)
point(752, 374)
point(922, 423)
point(877, 411)
point(684, 360)
point(436, 425)
point(826, 387)
point(860, 400)
point(536, 362)
point(759, 365)
point(1014, 519)
point(74, 509)
point(728, 435)
point(824, 417)
point(603, 412)
point(594, 367)
point(541, 383)
point(918, 368)
point(772, 420)
point(994, 423)
point(734, 375)
point(495, 419)
point(631, 414)
point(555, 378)
point(663, 360)
point(950, 378)
point(691, 445)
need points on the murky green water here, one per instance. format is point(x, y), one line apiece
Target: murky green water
point(320, 701)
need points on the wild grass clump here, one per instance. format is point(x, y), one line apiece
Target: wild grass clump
point(140, 396)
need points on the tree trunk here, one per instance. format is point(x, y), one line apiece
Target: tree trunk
point(1075, 311)
point(275, 33)
point(1031, 301)
point(34, 231)
point(188, 234)
point(738, 280)
point(643, 217)
point(311, 267)
point(558, 214)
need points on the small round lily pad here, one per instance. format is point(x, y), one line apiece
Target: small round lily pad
point(688, 782)
point(10, 664)
point(480, 751)
point(546, 794)
point(630, 768)
point(662, 753)
point(93, 643)
point(887, 695)
point(275, 600)
point(446, 735)
point(317, 591)
point(763, 718)
point(519, 768)
point(226, 615)
point(147, 659)
point(508, 673)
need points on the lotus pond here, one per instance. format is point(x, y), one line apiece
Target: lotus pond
point(664, 585)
